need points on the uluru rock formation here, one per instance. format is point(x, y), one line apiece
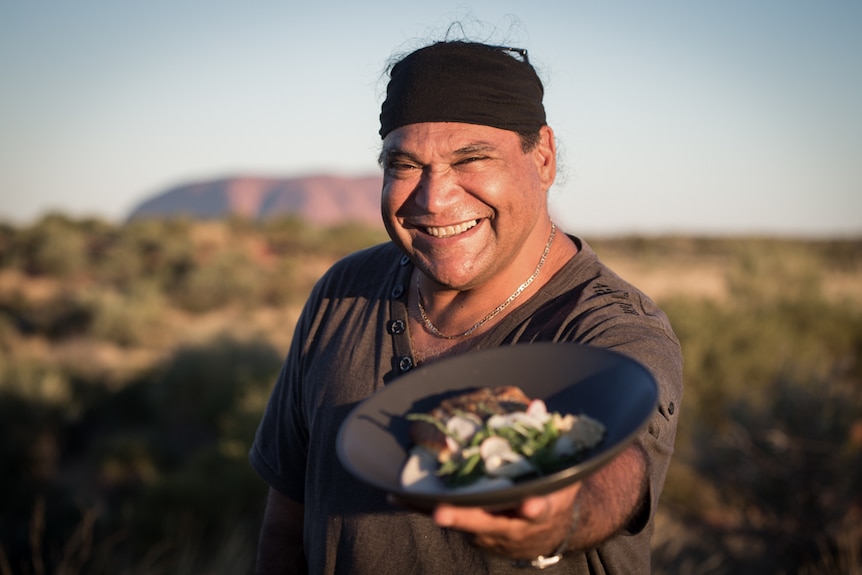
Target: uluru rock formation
point(322, 199)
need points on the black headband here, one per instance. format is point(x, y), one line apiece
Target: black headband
point(464, 82)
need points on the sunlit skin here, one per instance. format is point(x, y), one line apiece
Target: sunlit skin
point(469, 207)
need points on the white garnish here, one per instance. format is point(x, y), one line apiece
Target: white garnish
point(420, 471)
point(460, 430)
point(501, 460)
point(469, 440)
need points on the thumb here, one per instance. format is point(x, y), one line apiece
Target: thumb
point(536, 508)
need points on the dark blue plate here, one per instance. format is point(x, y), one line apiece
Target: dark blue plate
point(373, 441)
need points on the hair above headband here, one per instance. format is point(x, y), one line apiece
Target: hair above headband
point(464, 82)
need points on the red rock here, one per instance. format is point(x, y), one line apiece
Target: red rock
point(321, 199)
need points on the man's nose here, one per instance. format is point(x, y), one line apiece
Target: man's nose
point(438, 189)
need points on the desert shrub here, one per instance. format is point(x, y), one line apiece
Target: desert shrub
point(154, 469)
point(123, 317)
point(205, 381)
point(293, 236)
point(53, 246)
point(151, 250)
point(784, 473)
point(32, 415)
point(161, 464)
point(766, 469)
point(343, 239)
point(126, 318)
point(288, 235)
point(8, 332)
point(65, 314)
point(788, 465)
point(205, 418)
point(768, 272)
point(776, 323)
point(284, 283)
point(34, 381)
point(8, 233)
point(122, 263)
point(229, 277)
point(732, 353)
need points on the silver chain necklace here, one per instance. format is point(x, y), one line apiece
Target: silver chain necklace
point(433, 329)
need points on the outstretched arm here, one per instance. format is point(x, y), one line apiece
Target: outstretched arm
point(280, 547)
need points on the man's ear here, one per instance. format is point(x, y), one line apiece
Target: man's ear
point(545, 155)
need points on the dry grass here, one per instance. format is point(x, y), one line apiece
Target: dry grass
point(702, 280)
point(138, 330)
point(680, 272)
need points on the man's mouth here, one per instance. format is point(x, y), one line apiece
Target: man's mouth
point(449, 231)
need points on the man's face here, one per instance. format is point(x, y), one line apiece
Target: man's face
point(463, 200)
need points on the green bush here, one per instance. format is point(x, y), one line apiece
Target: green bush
point(228, 277)
point(153, 469)
point(162, 463)
point(149, 250)
point(54, 246)
point(127, 318)
point(767, 466)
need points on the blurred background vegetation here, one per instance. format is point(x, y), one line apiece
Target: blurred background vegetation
point(135, 360)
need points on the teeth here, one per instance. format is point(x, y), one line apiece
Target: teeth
point(448, 231)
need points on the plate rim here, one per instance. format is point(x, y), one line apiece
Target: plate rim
point(509, 496)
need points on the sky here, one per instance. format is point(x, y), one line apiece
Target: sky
point(732, 117)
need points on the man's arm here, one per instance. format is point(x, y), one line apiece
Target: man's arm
point(606, 501)
point(280, 546)
point(609, 499)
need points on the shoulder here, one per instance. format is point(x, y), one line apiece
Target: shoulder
point(380, 255)
point(364, 269)
point(590, 303)
point(601, 289)
point(617, 315)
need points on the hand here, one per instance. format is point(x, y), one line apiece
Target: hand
point(537, 526)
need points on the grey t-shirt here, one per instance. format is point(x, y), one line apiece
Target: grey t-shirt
point(352, 339)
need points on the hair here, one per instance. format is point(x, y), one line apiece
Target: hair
point(529, 140)
point(468, 29)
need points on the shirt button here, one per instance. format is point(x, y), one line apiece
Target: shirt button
point(396, 327)
point(670, 408)
point(405, 260)
point(397, 291)
point(405, 364)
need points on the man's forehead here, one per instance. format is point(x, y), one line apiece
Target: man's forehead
point(450, 136)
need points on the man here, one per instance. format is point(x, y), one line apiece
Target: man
point(475, 262)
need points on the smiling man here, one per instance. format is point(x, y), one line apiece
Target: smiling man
point(475, 261)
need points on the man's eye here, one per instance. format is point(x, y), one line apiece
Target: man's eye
point(402, 166)
point(471, 161)
point(399, 169)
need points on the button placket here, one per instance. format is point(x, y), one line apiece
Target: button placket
point(397, 325)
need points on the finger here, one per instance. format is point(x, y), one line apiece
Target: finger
point(471, 519)
point(536, 509)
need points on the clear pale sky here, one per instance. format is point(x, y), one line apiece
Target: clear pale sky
point(672, 116)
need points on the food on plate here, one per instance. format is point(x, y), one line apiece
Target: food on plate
point(491, 437)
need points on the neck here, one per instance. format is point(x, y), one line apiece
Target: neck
point(451, 323)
